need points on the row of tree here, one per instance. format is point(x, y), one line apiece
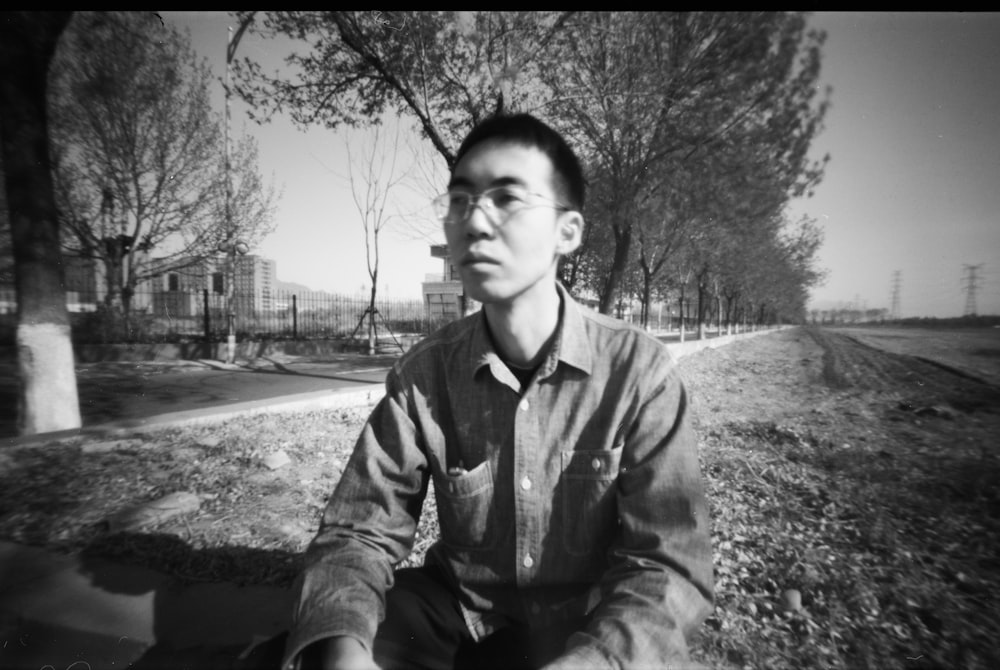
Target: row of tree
point(694, 128)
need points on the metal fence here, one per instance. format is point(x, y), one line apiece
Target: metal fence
point(201, 315)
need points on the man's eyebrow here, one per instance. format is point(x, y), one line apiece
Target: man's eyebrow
point(459, 182)
point(462, 182)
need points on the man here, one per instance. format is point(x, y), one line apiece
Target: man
point(573, 525)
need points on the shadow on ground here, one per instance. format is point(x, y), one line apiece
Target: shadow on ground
point(147, 601)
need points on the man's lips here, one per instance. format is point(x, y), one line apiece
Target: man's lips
point(476, 259)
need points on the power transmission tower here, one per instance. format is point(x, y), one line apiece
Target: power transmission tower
point(896, 285)
point(970, 285)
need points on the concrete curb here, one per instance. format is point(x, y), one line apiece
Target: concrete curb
point(368, 394)
point(680, 349)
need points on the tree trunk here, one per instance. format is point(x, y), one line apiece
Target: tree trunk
point(113, 299)
point(701, 309)
point(48, 395)
point(371, 316)
point(718, 312)
point(647, 293)
point(680, 314)
point(623, 242)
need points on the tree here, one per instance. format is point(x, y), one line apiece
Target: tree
point(47, 399)
point(371, 193)
point(140, 166)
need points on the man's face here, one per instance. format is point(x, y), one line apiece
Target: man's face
point(500, 261)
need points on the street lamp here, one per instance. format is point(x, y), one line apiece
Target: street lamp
point(232, 248)
point(232, 245)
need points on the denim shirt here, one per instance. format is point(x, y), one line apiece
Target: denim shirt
point(580, 494)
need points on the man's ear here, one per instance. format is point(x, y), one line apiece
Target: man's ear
point(570, 232)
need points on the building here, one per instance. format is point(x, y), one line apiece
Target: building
point(179, 291)
point(256, 279)
point(83, 279)
point(444, 295)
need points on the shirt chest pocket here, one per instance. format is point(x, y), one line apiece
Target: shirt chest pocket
point(463, 507)
point(589, 507)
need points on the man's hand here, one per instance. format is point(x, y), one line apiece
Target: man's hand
point(338, 653)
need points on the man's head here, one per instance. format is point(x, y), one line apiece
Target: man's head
point(512, 209)
point(527, 131)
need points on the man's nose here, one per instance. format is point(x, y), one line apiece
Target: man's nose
point(478, 223)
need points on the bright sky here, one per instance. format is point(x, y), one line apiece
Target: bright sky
point(913, 185)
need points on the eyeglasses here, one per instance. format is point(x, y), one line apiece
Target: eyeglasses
point(498, 204)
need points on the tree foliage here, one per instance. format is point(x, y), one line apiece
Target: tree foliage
point(692, 125)
point(655, 98)
point(448, 70)
point(139, 152)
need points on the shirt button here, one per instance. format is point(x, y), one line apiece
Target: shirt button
point(523, 405)
point(526, 484)
point(596, 464)
point(528, 561)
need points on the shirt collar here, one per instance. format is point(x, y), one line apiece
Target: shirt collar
point(571, 345)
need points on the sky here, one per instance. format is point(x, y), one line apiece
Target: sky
point(909, 204)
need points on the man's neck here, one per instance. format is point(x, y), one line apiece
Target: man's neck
point(523, 330)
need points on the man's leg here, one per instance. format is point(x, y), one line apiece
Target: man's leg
point(424, 630)
point(423, 627)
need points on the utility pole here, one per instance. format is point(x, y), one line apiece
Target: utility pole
point(896, 284)
point(970, 284)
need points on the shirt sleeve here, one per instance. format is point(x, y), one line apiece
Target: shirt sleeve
point(368, 526)
point(658, 587)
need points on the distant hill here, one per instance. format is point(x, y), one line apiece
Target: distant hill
point(290, 287)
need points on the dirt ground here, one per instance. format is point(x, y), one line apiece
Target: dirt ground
point(866, 479)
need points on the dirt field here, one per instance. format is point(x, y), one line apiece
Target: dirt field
point(866, 481)
point(975, 351)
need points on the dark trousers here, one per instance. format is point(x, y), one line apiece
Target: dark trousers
point(424, 630)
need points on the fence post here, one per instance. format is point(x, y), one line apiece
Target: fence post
point(205, 319)
point(295, 318)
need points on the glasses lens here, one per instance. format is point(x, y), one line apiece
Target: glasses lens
point(451, 207)
point(498, 204)
point(506, 199)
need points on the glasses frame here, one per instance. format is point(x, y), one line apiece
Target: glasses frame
point(483, 200)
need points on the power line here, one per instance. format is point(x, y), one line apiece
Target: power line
point(970, 284)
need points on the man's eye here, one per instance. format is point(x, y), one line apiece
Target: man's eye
point(458, 199)
point(504, 198)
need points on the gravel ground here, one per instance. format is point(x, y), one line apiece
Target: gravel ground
point(854, 493)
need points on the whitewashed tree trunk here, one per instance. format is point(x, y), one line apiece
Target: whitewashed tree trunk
point(48, 398)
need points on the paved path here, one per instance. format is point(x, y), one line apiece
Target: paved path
point(122, 391)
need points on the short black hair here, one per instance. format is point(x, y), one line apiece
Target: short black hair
point(526, 130)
